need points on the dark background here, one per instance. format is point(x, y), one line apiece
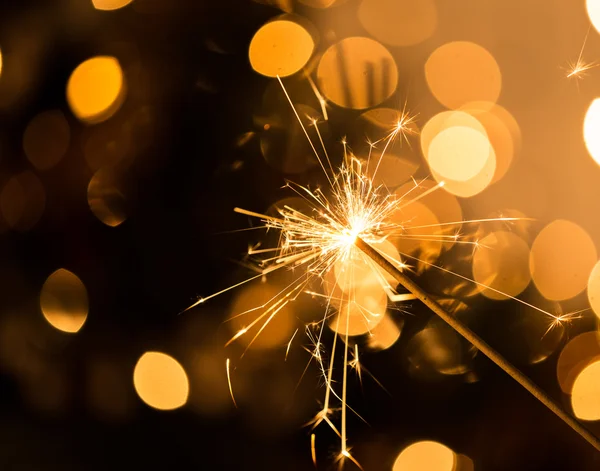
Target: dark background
point(187, 69)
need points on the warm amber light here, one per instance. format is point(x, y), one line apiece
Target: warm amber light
point(460, 72)
point(593, 289)
point(105, 199)
point(160, 381)
point(562, 257)
point(384, 334)
point(281, 48)
point(398, 22)
point(357, 73)
point(426, 455)
point(110, 4)
point(459, 153)
point(96, 89)
point(46, 139)
point(593, 10)
point(591, 125)
point(585, 397)
point(575, 356)
point(502, 263)
point(64, 301)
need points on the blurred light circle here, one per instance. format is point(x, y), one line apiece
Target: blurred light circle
point(160, 381)
point(593, 289)
point(96, 89)
point(593, 10)
point(562, 257)
point(361, 312)
point(22, 201)
point(245, 316)
point(110, 4)
point(585, 397)
point(105, 198)
point(591, 126)
point(384, 334)
point(64, 301)
point(357, 73)
point(473, 186)
point(281, 47)
point(437, 349)
point(46, 139)
point(425, 455)
point(446, 120)
point(106, 144)
point(460, 72)
point(459, 153)
point(398, 22)
point(580, 352)
point(502, 263)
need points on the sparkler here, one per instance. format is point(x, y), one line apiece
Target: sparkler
point(347, 236)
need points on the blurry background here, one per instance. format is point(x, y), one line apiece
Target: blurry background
point(131, 129)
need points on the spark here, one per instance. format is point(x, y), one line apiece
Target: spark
point(313, 451)
point(579, 68)
point(229, 382)
point(316, 242)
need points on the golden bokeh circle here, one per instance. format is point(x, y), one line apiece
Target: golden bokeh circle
point(593, 289)
point(502, 263)
point(580, 352)
point(358, 73)
point(64, 301)
point(398, 22)
point(562, 257)
point(591, 124)
point(585, 397)
point(105, 198)
point(460, 72)
point(96, 89)
point(160, 381)
point(46, 139)
point(109, 5)
point(425, 455)
point(280, 48)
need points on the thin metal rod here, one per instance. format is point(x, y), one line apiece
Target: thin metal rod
point(478, 342)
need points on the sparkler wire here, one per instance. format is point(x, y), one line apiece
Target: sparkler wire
point(478, 342)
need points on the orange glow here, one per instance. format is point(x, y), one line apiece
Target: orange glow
point(562, 257)
point(426, 455)
point(64, 301)
point(96, 89)
point(459, 153)
point(591, 124)
point(357, 73)
point(160, 381)
point(460, 72)
point(446, 120)
point(46, 139)
point(362, 313)
point(244, 317)
point(502, 263)
point(110, 4)
point(22, 201)
point(575, 356)
point(105, 199)
point(593, 10)
point(281, 48)
point(384, 334)
point(593, 289)
point(585, 397)
point(398, 22)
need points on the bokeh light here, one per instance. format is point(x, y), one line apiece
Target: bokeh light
point(591, 124)
point(585, 397)
point(64, 301)
point(106, 199)
point(502, 262)
point(562, 257)
point(110, 4)
point(593, 289)
point(425, 455)
point(357, 73)
point(22, 201)
point(384, 334)
point(46, 139)
point(96, 89)
point(593, 10)
point(398, 22)
point(281, 47)
point(580, 352)
point(461, 72)
point(160, 381)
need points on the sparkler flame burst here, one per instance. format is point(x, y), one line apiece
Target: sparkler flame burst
point(323, 241)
